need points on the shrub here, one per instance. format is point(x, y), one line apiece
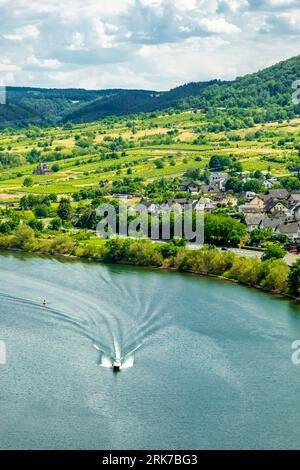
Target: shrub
point(55, 168)
point(41, 211)
point(36, 225)
point(23, 237)
point(274, 251)
point(275, 273)
point(62, 245)
point(139, 252)
point(28, 182)
point(245, 270)
point(55, 224)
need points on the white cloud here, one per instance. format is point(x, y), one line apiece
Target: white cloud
point(282, 23)
point(77, 42)
point(7, 66)
point(218, 25)
point(142, 43)
point(28, 32)
point(43, 63)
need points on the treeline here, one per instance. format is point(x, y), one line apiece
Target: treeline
point(272, 275)
point(255, 98)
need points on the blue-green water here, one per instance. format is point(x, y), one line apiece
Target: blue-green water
point(213, 370)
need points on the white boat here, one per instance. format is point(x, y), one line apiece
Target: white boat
point(117, 364)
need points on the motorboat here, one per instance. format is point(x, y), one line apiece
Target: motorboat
point(117, 364)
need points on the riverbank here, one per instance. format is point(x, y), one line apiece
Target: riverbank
point(271, 276)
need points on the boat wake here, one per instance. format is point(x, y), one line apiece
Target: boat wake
point(117, 309)
point(126, 360)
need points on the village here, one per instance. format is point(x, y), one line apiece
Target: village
point(277, 209)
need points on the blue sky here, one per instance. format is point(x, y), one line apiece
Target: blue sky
point(153, 44)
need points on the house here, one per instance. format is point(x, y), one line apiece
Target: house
point(247, 195)
point(189, 187)
point(226, 200)
point(217, 180)
point(123, 196)
point(204, 204)
point(268, 183)
point(257, 201)
point(253, 221)
point(250, 208)
point(295, 212)
point(260, 221)
point(181, 201)
point(169, 205)
point(42, 169)
point(276, 207)
point(267, 222)
point(206, 189)
point(277, 194)
point(291, 229)
point(293, 199)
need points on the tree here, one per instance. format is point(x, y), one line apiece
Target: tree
point(193, 173)
point(294, 278)
point(234, 184)
point(260, 235)
point(219, 162)
point(41, 211)
point(223, 231)
point(254, 186)
point(88, 220)
point(245, 270)
point(258, 174)
point(56, 224)
point(36, 225)
point(159, 164)
point(274, 251)
point(275, 272)
point(64, 210)
point(23, 237)
point(28, 182)
point(55, 168)
point(237, 167)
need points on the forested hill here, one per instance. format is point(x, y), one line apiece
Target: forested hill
point(42, 106)
point(136, 102)
point(262, 96)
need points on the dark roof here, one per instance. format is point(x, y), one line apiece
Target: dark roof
point(288, 228)
point(271, 203)
point(180, 201)
point(293, 197)
point(278, 193)
point(253, 219)
point(271, 222)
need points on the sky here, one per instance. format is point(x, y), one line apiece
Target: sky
point(149, 44)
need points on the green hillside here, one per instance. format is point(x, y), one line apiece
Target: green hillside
point(255, 98)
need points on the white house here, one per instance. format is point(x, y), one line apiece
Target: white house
point(217, 180)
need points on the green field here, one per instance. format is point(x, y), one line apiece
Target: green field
point(115, 148)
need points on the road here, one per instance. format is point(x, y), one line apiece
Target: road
point(289, 258)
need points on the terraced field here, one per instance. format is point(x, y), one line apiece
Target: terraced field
point(148, 147)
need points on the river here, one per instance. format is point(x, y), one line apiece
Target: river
point(212, 369)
